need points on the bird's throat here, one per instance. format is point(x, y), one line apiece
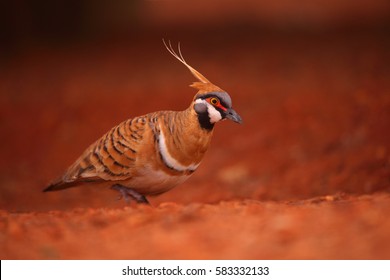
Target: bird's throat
point(204, 121)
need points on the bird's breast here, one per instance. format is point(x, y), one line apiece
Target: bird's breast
point(181, 143)
point(172, 149)
point(152, 181)
point(174, 157)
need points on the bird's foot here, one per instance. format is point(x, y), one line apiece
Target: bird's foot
point(129, 194)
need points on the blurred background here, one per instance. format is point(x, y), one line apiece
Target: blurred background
point(311, 80)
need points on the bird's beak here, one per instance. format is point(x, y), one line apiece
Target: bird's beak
point(232, 115)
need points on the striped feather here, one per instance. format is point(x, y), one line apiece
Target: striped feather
point(133, 147)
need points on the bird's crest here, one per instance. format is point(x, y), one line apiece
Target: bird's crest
point(203, 85)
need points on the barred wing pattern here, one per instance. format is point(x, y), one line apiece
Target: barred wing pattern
point(111, 158)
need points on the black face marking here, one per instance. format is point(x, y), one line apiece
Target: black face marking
point(204, 121)
point(203, 115)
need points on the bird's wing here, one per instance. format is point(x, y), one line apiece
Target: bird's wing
point(111, 158)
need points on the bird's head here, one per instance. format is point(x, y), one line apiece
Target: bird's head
point(211, 103)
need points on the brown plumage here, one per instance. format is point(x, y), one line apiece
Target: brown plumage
point(150, 154)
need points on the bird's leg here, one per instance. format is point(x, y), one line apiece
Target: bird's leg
point(128, 194)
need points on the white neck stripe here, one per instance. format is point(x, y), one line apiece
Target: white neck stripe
point(169, 160)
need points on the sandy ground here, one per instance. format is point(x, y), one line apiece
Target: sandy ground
point(328, 227)
point(306, 176)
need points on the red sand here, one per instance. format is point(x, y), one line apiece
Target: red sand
point(330, 228)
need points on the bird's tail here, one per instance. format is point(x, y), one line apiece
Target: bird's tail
point(59, 185)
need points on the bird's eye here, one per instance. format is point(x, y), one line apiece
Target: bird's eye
point(214, 101)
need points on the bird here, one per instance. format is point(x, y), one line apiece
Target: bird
point(150, 154)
